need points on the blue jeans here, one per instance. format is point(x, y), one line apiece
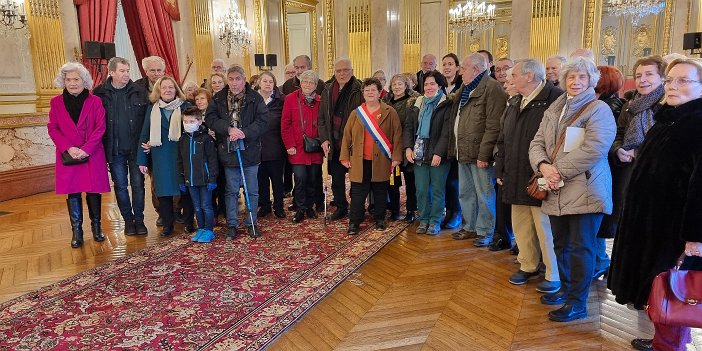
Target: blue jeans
point(431, 189)
point(231, 195)
point(202, 205)
point(476, 191)
point(134, 209)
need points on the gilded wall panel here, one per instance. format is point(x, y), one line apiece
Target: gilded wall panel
point(360, 37)
point(202, 38)
point(411, 32)
point(545, 18)
point(46, 41)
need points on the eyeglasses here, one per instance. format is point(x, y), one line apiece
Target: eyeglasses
point(683, 82)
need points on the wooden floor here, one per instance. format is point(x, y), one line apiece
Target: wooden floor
point(417, 293)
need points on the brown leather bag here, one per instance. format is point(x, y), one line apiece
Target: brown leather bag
point(676, 297)
point(533, 186)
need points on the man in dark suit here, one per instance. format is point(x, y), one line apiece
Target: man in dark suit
point(428, 65)
point(155, 68)
point(301, 63)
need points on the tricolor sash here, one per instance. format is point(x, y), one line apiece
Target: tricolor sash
point(371, 124)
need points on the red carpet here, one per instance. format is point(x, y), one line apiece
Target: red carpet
point(179, 295)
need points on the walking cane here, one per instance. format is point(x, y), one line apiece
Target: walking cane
point(239, 147)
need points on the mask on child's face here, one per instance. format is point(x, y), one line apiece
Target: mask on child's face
point(191, 127)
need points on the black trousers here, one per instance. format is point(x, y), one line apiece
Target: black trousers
point(308, 184)
point(165, 209)
point(452, 203)
point(359, 192)
point(219, 204)
point(338, 185)
point(270, 174)
point(503, 218)
point(575, 244)
point(288, 176)
point(410, 191)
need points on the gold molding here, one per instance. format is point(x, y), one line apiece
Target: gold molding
point(667, 26)
point(258, 24)
point(411, 34)
point(331, 38)
point(359, 38)
point(545, 18)
point(46, 42)
point(589, 21)
point(309, 6)
point(17, 94)
point(202, 38)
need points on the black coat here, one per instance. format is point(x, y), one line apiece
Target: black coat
point(272, 147)
point(614, 103)
point(326, 111)
point(254, 123)
point(517, 132)
point(663, 204)
point(144, 84)
point(438, 131)
point(138, 102)
point(293, 84)
point(197, 158)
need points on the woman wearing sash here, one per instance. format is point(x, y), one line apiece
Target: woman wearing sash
point(371, 149)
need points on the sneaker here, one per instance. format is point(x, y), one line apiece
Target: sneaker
point(433, 229)
point(482, 241)
point(197, 235)
point(521, 277)
point(207, 236)
point(422, 228)
point(548, 287)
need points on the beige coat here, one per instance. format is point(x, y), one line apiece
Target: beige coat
point(352, 145)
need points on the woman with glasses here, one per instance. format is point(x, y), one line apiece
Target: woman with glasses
point(662, 209)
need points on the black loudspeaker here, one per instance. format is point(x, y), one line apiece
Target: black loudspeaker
point(259, 60)
point(91, 50)
point(692, 41)
point(107, 50)
point(271, 60)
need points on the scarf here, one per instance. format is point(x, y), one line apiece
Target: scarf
point(234, 102)
point(469, 89)
point(174, 126)
point(428, 106)
point(641, 107)
point(74, 104)
point(309, 99)
point(343, 99)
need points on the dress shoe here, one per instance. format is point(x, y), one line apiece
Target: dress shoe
point(380, 225)
point(602, 272)
point(395, 216)
point(499, 245)
point(354, 229)
point(231, 233)
point(298, 217)
point(159, 221)
point(464, 234)
point(130, 227)
point(338, 214)
point(548, 287)
point(410, 217)
point(311, 213)
point(140, 227)
point(568, 313)
point(279, 213)
point(254, 231)
point(521, 277)
point(514, 250)
point(482, 241)
point(558, 298)
point(422, 228)
point(642, 344)
point(262, 212)
point(167, 231)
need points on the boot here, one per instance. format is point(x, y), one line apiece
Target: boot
point(75, 212)
point(94, 204)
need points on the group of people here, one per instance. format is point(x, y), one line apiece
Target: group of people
point(468, 142)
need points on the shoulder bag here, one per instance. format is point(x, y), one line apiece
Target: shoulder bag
point(310, 144)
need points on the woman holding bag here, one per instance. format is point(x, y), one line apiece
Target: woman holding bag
point(663, 203)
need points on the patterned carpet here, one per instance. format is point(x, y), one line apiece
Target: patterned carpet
point(226, 295)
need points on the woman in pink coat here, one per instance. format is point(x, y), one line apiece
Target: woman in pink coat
point(76, 125)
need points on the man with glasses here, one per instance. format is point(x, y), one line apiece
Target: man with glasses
point(342, 94)
point(301, 63)
point(501, 67)
point(155, 68)
point(218, 66)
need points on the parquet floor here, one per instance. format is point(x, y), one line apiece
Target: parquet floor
point(417, 293)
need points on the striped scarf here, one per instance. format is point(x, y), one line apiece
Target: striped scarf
point(467, 89)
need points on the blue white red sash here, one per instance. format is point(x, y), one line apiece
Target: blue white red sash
point(371, 124)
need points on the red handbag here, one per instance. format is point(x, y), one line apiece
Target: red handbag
point(676, 297)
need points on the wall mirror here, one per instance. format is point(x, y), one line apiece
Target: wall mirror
point(300, 29)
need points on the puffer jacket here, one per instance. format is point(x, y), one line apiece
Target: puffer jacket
point(585, 170)
point(197, 158)
point(438, 132)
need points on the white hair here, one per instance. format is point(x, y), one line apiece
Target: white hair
point(60, 80)
point(533, 66)
point(217, 60)
point(580, 63)
point(309, 75)
point(559, 58)
point(670, 57)
point(153, 59)
point(345, 60)
point(477, 60)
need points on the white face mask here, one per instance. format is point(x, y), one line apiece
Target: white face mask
point(191, 127)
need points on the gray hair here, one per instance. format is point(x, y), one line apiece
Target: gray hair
point(379, 71)
point(219, 60)
point(559, 58)
point(580, 63)
point(531, 65)
point(60, 81)
point(583, 52)
point(153, 59)
point(309, 75)
point(267, 74)
point(112, 64)
point(189, 84)
point(477, 60)
point(403, 78)
point(238, 69)
point(307, 59)
point(345, 60)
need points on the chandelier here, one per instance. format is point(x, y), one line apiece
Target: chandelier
point(472, 17)
point(636, 9)
point(12, 16)
point(233, 33)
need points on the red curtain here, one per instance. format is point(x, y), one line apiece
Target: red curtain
point(96, 21)
point(153, 33)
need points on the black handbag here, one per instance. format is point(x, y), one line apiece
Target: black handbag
point(68, 160)
point(310, 144)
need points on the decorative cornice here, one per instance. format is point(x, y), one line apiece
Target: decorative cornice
point(23, 120)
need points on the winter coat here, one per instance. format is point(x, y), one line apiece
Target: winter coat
point(614, 103)
point(293, 84)
point(402, 108)
point(291, 128)
point(164, 158)
point(625, 117)
point(517, 132)
point(584, 170)
point(479, 122)
point(438, 131)
point(197, 158)
point(663, 204)
point(272, 147)
point(354, 137)
point(254, 123)
point(326, 111)
point(88, 177)
point(138, 102)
